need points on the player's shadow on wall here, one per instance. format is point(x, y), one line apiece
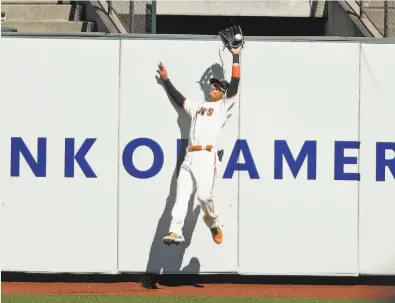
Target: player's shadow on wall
point(169, 259)
point(213, 71)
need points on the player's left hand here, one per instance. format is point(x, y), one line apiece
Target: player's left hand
point(162, 71)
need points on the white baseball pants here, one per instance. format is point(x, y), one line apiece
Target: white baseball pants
point(198, 171)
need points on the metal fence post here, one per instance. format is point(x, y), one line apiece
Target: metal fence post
point(385, 18)
point(131, 16)
point(153, 17)
point(110, 8)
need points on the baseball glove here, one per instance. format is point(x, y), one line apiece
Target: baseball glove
point(232, 37)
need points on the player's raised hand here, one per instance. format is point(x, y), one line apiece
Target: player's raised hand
point(162, 71)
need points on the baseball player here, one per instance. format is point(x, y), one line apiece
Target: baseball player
point(199, 168)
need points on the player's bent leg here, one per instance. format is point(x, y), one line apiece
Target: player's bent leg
point(205, 178)
point(185, 187)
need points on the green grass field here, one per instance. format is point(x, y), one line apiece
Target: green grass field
point(167, 299)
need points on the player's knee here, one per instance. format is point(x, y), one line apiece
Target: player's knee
point(204, 196)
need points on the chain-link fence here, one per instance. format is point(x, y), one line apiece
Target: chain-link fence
point(138, 16)
point(135, 15)
point(382, 14)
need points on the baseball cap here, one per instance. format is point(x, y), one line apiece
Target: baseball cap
point(221, 82)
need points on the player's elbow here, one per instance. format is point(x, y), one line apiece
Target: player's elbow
point(204, 195)
point(179, 101)
point(233, 88)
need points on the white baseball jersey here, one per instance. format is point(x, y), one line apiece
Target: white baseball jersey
point(208, 119)
point(199, 169)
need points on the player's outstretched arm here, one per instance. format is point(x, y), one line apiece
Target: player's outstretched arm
point(173, 92)
point(235, 80)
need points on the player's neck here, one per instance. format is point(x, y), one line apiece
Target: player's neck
point(215, 100)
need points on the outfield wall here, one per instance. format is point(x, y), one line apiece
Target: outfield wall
point(91, 144)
